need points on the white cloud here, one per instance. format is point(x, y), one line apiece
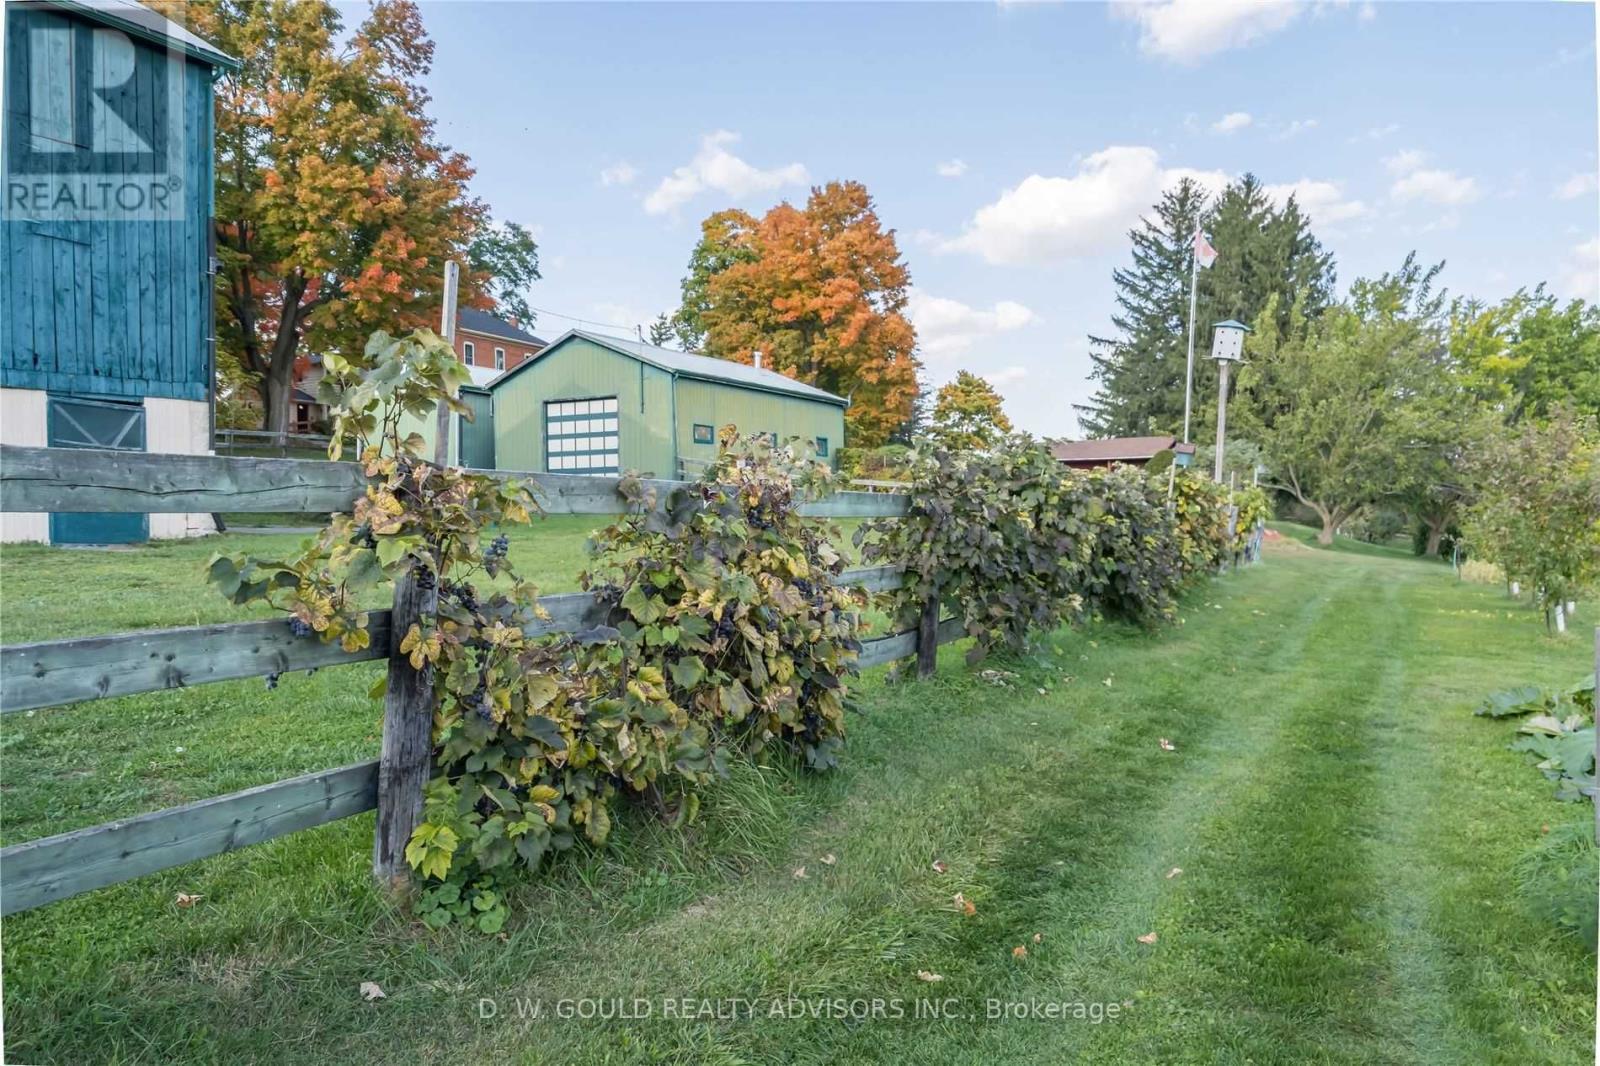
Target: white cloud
point(1377, 133)
point(1231, 122)
point(716, 169)
point(1582, 278)
point(1368, 12)
point(618, 174)
point(951, 168)
point(1050, 218)
point(1405, 162)
point(1006, 376)
point(946, 327)
point(1414, 180)
point(1297, 127)
point(1580, 184)
point(1324, 201)
point(1186, 31)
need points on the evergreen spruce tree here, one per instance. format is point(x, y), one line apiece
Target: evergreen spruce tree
point(1139, 372)
point(1262, 251)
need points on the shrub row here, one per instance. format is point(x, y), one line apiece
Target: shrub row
point(1016, 544)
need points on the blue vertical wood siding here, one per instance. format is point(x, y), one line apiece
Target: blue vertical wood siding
point(91, 306)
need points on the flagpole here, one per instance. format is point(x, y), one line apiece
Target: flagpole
point(1188, 372)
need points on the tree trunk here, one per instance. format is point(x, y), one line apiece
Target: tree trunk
point(1329, 524)
point(277, 393)
point(277, 380)
point(1435, 535)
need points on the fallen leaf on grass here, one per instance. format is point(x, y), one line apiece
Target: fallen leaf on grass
point(940, 866)
point(964, 905)
point(829, 859)
point(924, 975)
point(187, 900)
point(1106, 682)
point(370, 991)
point(800, 873)
point(1038, 938)
point(1019, 952)
point(1148, 938)
point(1174, 872)
point(1167, 745)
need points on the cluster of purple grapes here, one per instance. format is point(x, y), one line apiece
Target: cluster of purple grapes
point(478, 703)
point(299, 627)
point(462, 593)
point(725, 622)
point(494, 558)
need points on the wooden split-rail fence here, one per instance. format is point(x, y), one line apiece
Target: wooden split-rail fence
point(54, 672)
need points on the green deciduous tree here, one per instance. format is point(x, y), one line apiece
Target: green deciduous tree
point(1537, 506)
point(968, 413)
point(506, 257)
point(1339, 402)
point(1529, 354)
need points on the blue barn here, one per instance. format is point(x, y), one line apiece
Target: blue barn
point(105, 240)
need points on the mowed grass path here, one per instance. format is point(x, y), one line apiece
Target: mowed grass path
point(1346, 831)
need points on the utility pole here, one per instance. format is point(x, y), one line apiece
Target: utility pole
point(447, 330)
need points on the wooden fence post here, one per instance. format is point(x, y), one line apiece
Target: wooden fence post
point(406, 762)
point(928, 637)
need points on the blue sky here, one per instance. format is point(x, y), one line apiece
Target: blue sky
point(1011, 146)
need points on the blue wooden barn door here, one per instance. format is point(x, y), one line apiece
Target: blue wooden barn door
point(82, 423)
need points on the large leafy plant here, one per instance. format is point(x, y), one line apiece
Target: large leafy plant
point(1199, 510)
point(724, 628)
point(1135, 570)
point(1254, 508)
point(727, 598)
point(1001, 535)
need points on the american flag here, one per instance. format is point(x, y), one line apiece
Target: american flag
point(1204, 254)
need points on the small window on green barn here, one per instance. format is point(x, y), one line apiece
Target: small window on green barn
point(704, 434)
point(822, 447)
point(773, 437)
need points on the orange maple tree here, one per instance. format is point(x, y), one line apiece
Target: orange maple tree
point(335, 204)
point(821, 293)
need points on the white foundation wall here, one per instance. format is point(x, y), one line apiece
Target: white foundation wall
point(22, 422)
point(178, 427)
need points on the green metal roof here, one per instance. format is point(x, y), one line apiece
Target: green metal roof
point(688, 365)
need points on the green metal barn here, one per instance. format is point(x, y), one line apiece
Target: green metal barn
point(592, 404)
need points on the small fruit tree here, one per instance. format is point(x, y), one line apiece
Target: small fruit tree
point(1537, 506)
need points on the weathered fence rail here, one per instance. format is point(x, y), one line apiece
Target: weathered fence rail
point(86, 479)
point(56, 672)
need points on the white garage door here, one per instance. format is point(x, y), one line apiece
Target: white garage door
point(581, 436)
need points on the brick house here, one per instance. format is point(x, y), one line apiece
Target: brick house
point(485, 341)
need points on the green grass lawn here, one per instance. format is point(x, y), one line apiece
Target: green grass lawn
point(1350, 840)
point(1307, 535)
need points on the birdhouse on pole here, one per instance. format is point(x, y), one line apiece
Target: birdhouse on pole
point(1227, 341)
